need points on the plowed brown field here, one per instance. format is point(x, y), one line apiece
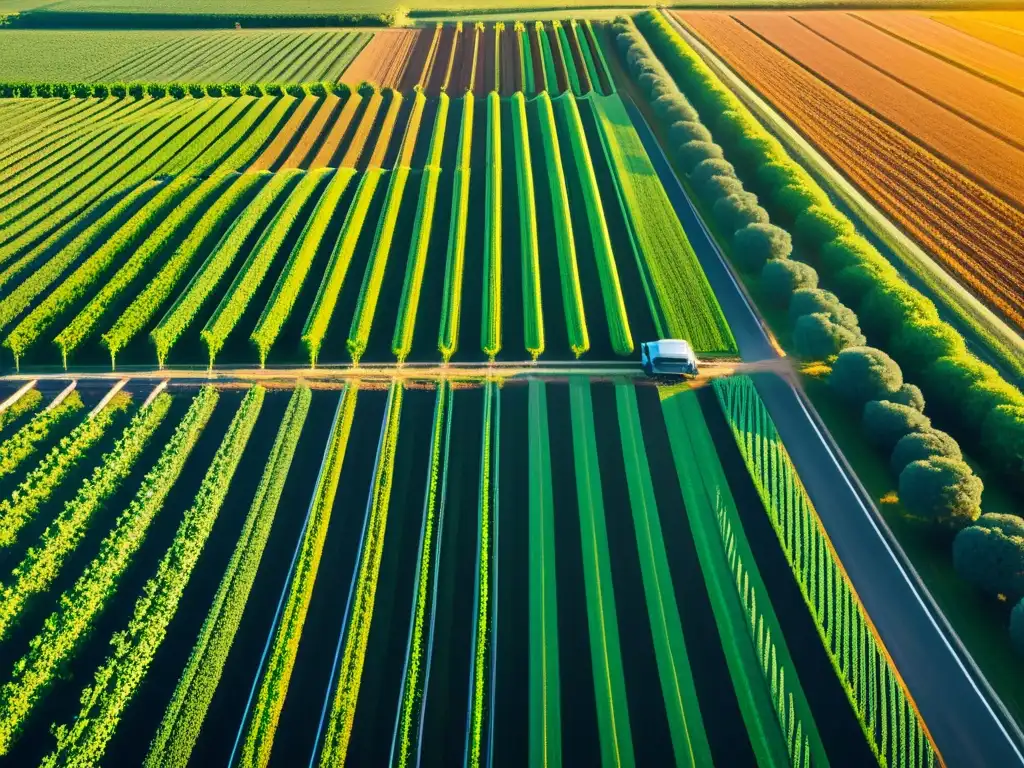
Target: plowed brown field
point(975, 235)
point(982, 103)
point(339, 129)
point(465, 58)
point(982, 27)
point(300, 154)
point(444, 60)
point(274, 151)
point(969, 52)
point(483, 80)
point(385, 59)
point(988, 159)
point(418, 61)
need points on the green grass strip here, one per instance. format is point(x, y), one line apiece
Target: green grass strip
point(451, 303)
point(689, 739)
point(545, 696)
point(589, 79)
point(533, 312)
point(289, 284)
point(405, 743)
point(262, 726)
point(602, 617)
point(565, 244)
point(604, 256)
point(603, 71)
point(320, 314)
point(525, 60)
point(186, 712)
point(490, 332)
point(684, 294)
point(83, 741)
point(778, 718)
point(550, 70)
point(360, 610)
point(135, 317)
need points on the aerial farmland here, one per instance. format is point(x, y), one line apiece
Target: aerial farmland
point(507, 385)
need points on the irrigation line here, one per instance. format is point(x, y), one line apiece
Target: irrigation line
point(437, 564)
point(287, 582)
point(494, 568)
point(371, 497)
point(439, 404)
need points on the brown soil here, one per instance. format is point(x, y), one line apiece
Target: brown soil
point(975, 235)
point(591, 35)
point(273, 152)
point(362, 132)
point(339, 128)
point(538, 60)
point(462, 74)
point(384, 59)
point(571, 34)
point(299, 156)
point(442, 60)
point(561, 75)
point(483, 81)
point(511, 80)
point(418, 60)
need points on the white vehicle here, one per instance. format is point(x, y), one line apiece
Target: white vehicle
point(668, 357)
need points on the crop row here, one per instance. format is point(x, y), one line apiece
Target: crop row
point(23, 443)
point(78, 608)
point(161, 90)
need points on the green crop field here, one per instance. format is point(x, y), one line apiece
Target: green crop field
point(324, 437)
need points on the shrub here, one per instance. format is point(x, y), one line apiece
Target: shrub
point(214, 90)
point(918, 341)
point(941, 490)
point(100, 91)
point(757, 243)
point(990, 554)
point(843, 252)
point(853, 283)
point(737, 210)
point(816, 337)
point(729, 128)
point(780, 277)
point(253, 89)
point(319, 90)
point(62, 90)
point(196, 90)
point(136, 90)
point(986, 395)
point(949, 379)
point(7, 90)
point(649, 84)
point(922, 445)
point(296, 90)
point(1017, 627)
point(910, 395)
point(886, 307)
point(341, 90)
point(1002, 434)
point(176, 91)
point(794, 199)
point(685, 131)
point(708, 168)
point(366, 89)
point(774, 176)
point(273, 89)
point(674, 108)
point(694, 152)
point(233, 89)
point(886, 422)
point(44, 90)
point(806, 301)
point(118, 90)
point(156, 90)
point(864, 373)
point(81, 90)
point(818, 225)
point(718, 187)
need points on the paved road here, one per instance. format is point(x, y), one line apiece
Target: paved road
point(966, 720)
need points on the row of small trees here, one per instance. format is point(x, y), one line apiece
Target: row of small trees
point(173, 90)
point(935, 483)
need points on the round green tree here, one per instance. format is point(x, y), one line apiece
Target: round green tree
point(944, 491)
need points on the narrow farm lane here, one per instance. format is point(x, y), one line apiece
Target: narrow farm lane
point(965, 718)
